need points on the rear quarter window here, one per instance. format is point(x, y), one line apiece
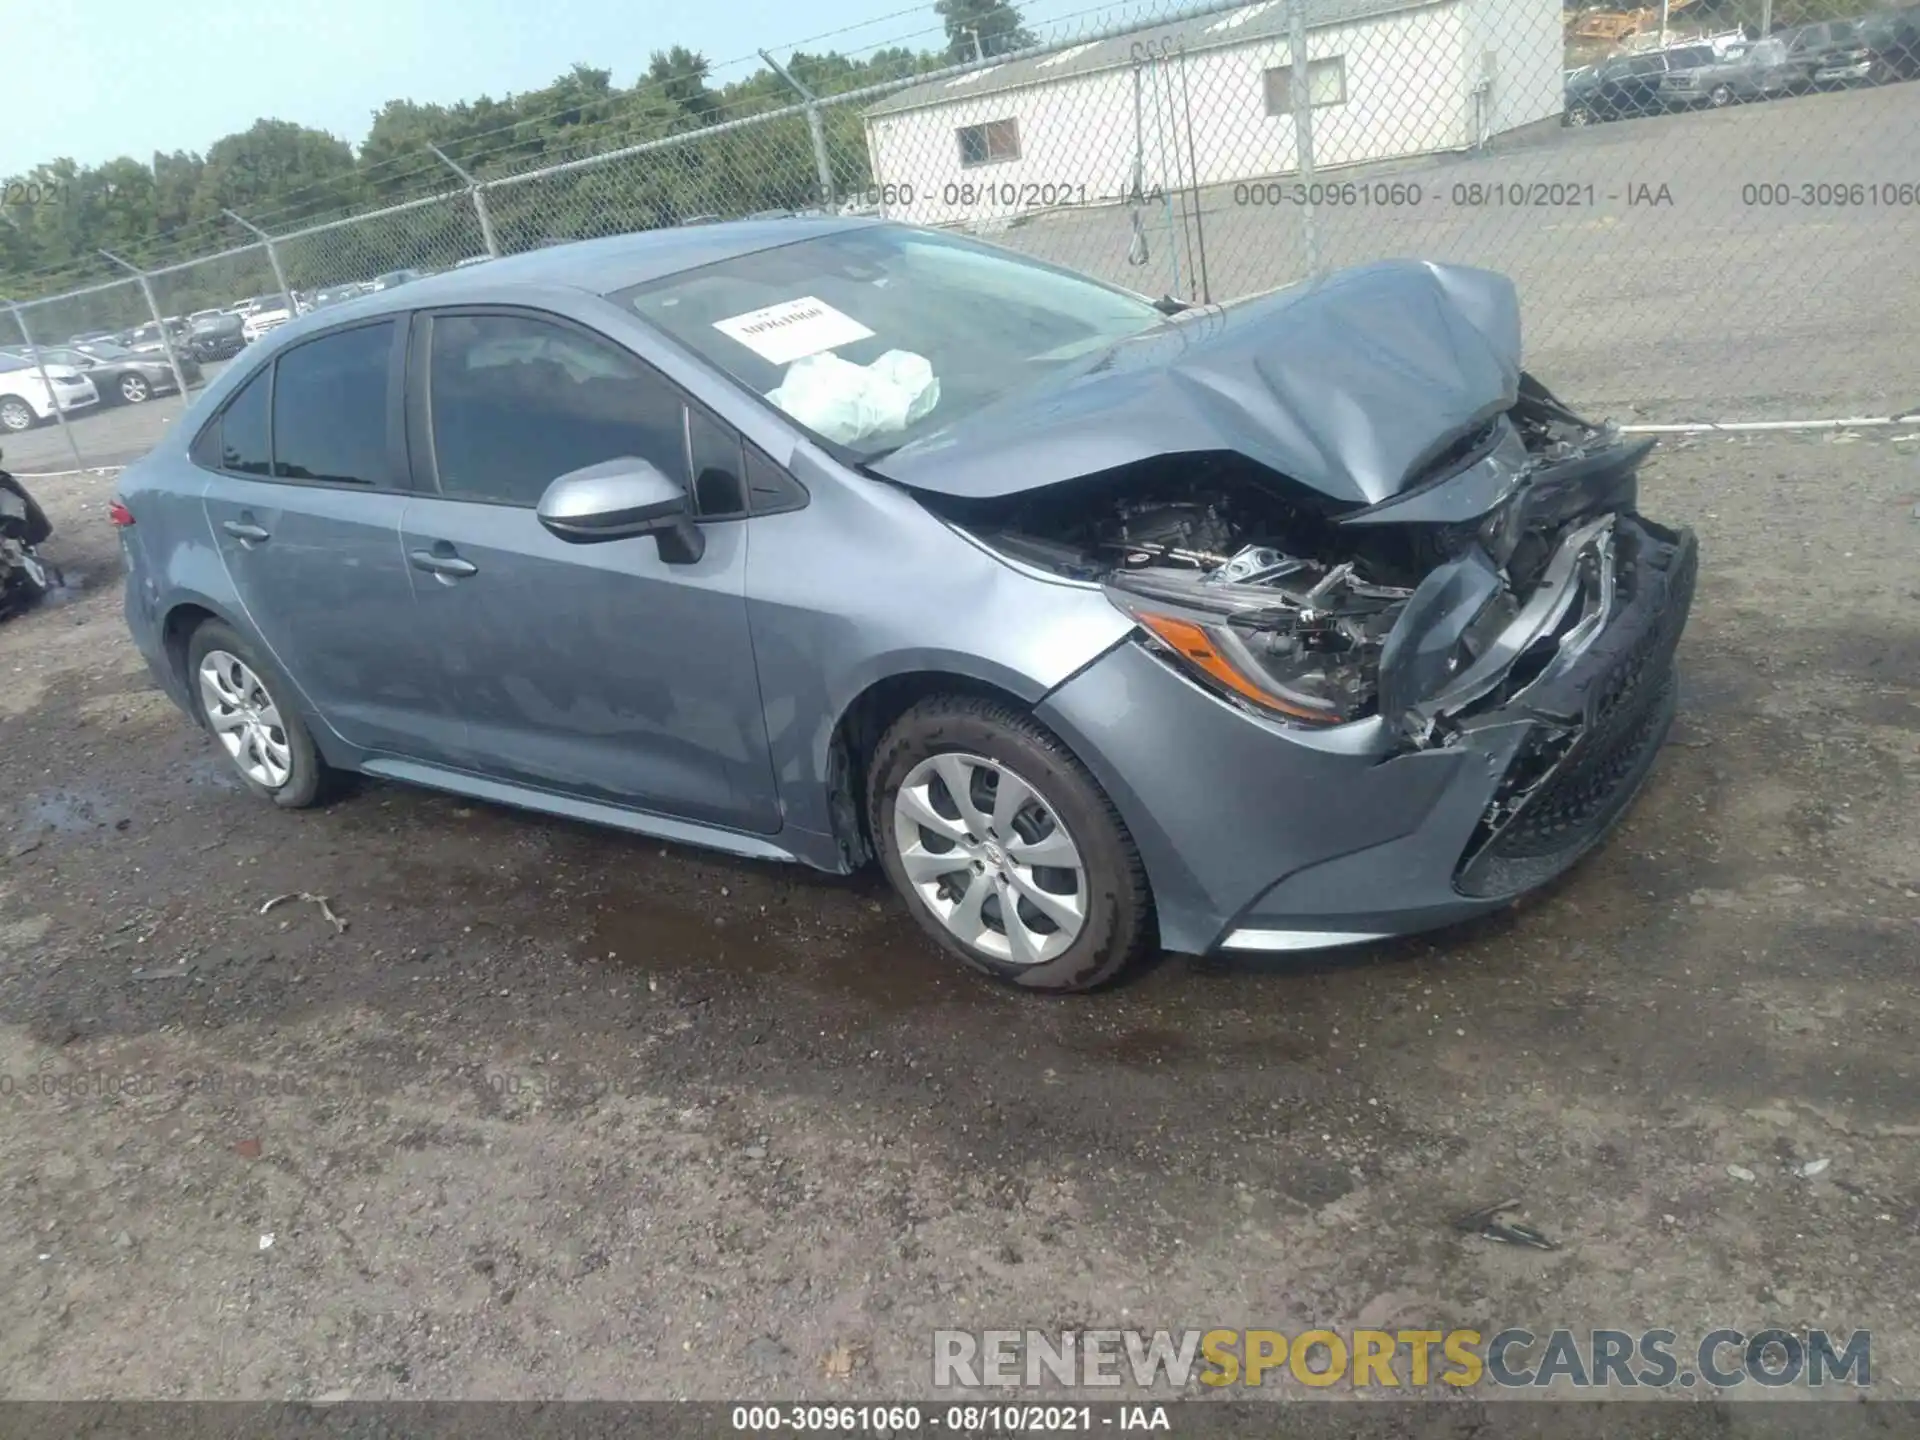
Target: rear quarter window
point(235, 440)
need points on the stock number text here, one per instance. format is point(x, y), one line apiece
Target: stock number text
point(1355, 194)
point(1823, 194)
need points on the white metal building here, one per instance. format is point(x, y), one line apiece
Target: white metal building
point(1210, 101)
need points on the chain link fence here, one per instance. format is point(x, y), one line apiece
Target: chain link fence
point(1712, 209)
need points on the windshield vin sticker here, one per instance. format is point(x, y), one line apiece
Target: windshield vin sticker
point(793, 329)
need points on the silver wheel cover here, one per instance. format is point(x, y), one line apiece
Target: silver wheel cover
point(990, 858)
point(245, 719)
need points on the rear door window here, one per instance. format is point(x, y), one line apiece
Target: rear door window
point(330, 406)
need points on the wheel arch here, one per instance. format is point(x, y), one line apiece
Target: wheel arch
point(866, 718)
point(177, 625)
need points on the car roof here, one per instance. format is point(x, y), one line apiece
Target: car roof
point(615, 262)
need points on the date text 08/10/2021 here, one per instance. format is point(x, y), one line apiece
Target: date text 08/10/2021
point(1002, 197)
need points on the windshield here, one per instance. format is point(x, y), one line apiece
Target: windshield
point(876, 336)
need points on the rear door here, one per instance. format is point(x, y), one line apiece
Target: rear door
point(601, 671)
point(308, 462)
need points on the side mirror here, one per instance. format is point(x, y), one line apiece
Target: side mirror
point(1171, 305)
point(618, 500)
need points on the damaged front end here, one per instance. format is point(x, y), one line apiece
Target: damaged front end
point(1511, 582)
point(24, 576)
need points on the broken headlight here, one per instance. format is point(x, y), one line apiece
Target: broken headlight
point(1308, 651)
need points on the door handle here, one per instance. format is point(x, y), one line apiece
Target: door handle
point(449, 566)
point(245, 531)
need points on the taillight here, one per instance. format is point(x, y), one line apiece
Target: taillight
point(118, 512)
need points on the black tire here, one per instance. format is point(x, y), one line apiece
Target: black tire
point(1119, 929)
point(1580, 115)
point(1720, 95)
point(134, 389)
point(309, 779)
point(16, 415)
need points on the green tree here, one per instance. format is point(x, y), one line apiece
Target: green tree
point(994, 24)
point(286, 176)
point(680, 75)
point(275, 165)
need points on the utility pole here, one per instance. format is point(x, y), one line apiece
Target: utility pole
point(478, 195)
point(160, 323)
point(974, 31)
point(273, 259)
point(816, 128)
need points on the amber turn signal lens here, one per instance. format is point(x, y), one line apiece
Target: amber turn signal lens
point(1191, 643)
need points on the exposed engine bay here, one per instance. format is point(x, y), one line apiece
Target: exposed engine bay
point(1455, 593)
point(24, 576)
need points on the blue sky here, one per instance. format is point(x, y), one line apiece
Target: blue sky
point(114, 77)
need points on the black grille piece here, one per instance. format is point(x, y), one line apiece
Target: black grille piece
point(1571, 780)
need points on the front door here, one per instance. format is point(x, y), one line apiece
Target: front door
point(599, 670)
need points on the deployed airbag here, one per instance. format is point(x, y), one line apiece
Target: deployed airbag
point(850, 403)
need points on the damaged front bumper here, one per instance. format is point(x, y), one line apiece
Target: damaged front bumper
point(1516, 723)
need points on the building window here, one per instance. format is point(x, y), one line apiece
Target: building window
point(1326, 85)
point(990, 143)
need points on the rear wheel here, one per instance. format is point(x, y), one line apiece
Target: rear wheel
point(16, 414)
point(247, 707)
point(1004, 847)
point(135, 390)
point(1720, 95)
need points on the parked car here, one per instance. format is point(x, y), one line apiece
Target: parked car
point(1628, 85)
point(1751, 72)
point(269, 313)
point(25, 399)
point(24, 576)
point(87, 335)
point(335, 295)
point(122, 377)
point(220, 336)
point(395, 277)
point(1844, 66)
point(1088, 666)
point(145, 339)
point(1892, 39)
point(1829, 44)
point(471, 260)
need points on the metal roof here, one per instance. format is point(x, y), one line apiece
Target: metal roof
point(616, 261)
point(1208, 30)
point(600, 267)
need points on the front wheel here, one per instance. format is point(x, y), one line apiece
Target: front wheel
point(1005, 849)
point(16, 414)
point(1720, 95)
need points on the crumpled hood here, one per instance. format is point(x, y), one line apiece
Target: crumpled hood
point(1348, 386)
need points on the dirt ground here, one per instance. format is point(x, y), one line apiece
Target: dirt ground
point(563, 1113)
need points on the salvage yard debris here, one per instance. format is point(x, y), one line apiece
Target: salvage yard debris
point(320, 900)
point(1487, 1224)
